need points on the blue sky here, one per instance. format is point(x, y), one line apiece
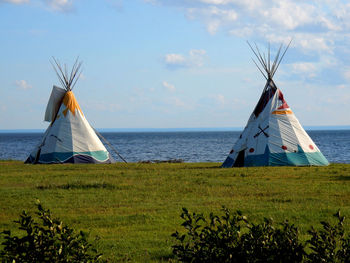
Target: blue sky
point(173, 63)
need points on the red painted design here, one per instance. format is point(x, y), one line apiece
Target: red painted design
point(284, 147)
point(311, 147)
point(251, 150)
point(284, 103)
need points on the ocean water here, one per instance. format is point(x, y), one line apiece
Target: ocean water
point(194, 146)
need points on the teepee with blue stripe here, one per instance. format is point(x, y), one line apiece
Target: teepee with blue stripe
point(69, 137)
point(273, 135)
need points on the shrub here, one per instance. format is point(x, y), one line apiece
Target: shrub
point(46, 241)
point(231, 237)
point(329, 244)
point(216, 240)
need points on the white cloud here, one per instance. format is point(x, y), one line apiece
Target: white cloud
point(60, 5)
point(315, 26)
point(175, 60)
point(319, 29)
point(213, 16)
point(304, 68)
point(342, 86)
point(82, 76)
point(195, 58)
point(168, 86)
point(215, 2)
point(178, 102)
point(213, 26)
point(309, 43)
point(16, 2)
point(288, 14)
point(346, 74)
point(22, 84)
point(55, 5)
point(220, 99)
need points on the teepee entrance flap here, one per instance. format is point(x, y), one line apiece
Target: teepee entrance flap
point(54, 103)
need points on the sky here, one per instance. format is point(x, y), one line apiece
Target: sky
point(174, 63)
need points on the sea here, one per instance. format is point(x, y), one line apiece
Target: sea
point(188, 146)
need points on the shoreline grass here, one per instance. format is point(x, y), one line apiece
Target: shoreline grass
point(134, 208)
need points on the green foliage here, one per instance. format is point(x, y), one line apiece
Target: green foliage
point(266, 242)
point(231, 237)
point(47, 241)
point(330, 244)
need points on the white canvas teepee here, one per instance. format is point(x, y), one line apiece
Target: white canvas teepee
point(69, 138)
point(273, 135)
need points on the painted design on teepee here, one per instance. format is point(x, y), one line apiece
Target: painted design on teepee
point(282, 112)
point(282, 100)
point(273, 135)
point(284, 108)
point(69, 138)
point(71, 103)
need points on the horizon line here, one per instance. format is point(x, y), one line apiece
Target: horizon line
point(198, 129)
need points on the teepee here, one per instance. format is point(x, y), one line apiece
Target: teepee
point(273, 135)
point(69, 137)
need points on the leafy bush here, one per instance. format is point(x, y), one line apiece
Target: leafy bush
point(46, 241)
point(330, 244)
point(214, 241)
point(232, 238)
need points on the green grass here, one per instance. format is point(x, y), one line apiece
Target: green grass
point(134, 208)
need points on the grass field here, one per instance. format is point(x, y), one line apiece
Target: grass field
point(134, 208)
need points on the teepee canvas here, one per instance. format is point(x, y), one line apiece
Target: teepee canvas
point(273, 135)
point(69, 138)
